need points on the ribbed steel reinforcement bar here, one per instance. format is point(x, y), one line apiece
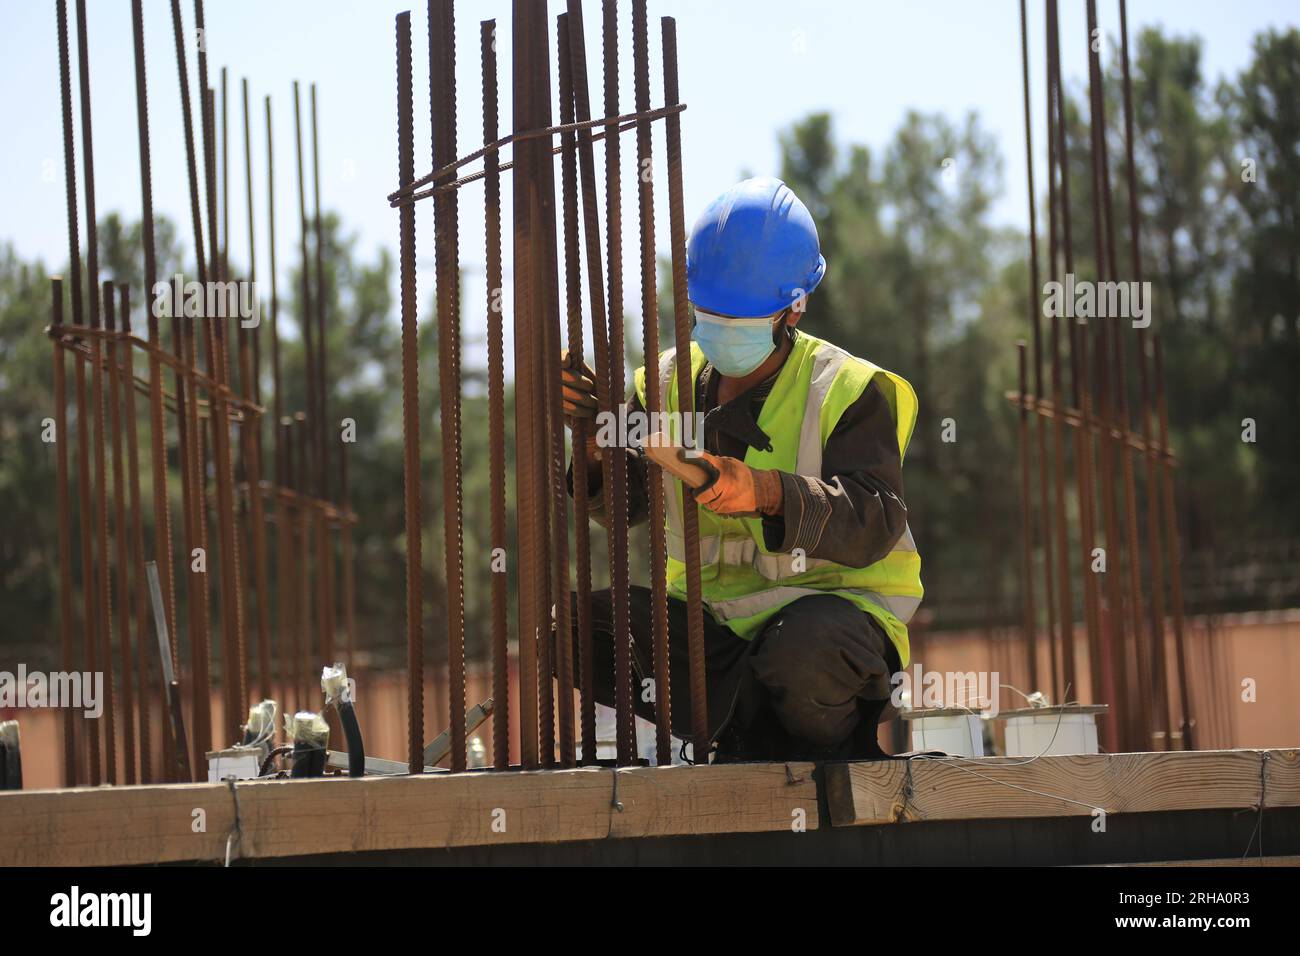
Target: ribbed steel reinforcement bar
point(442, 108)
point(410, 403)
point(701, 743)
point(496, 407)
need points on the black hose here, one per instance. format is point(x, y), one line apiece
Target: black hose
point(352, 732)
point(308, 759)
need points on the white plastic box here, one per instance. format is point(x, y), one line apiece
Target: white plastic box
point(1068, 729)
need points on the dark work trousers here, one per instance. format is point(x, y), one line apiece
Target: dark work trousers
point(812, 684)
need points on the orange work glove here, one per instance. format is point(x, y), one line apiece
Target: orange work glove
point(578, 383)
point(736, 490)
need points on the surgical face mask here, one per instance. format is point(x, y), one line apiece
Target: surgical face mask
point(735, 346)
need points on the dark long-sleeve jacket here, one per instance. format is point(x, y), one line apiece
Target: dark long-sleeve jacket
point(852, 513)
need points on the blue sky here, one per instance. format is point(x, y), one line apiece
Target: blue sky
point(748, 69)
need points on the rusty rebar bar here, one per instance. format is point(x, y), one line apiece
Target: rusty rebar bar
point(183, 333)
point(1030, 635)
point(322, 351)
point(157, 420)
point(277, 397)
point(555, 658)
point(67, 721)
point(654, 400)
point(496, 406)
point(442, 110)
point(103, 581)
point(286, 631)
point(616, 491)
point(305, 319)
point(231, 608)
point(121, 536)
point(580, 426)
point(137, 559)
point(1147, 699)
point(1057, 544)
point(1163, 715)
point(1130, 692)
point(529, 414)
point(701, 742)
point(349, 574)
point(70, 762)
point(1172, 539)
point(255, 392)
point(606, 402)
point(1026, 510)
point(410, 404)
point(251, 432)
point(303, 566)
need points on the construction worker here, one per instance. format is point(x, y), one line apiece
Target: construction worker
point(809, 571)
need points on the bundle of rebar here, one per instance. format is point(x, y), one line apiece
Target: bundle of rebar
point(217, 413)
point(548, 729)
point(1125, 640)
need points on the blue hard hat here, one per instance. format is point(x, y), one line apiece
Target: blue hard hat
point(753, 251)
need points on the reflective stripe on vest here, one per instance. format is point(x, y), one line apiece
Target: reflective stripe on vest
point(740, 550)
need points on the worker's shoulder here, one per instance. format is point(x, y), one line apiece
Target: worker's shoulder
point(854, 367)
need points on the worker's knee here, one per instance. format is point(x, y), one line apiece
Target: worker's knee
point(818, 660)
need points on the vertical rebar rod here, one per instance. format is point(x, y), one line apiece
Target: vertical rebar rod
point(442, 110)
point(1026, 510)
point(74, 275)
point(277, 397)
point(121, 536)
point(1171, 539)
point(322, 442)
point(251, 432)
point(616, 492)
point(410, 403)
point(349, 574)
point(213, 338)
point(654, 400)
point(225, 180)
point(1030, 636)
point(605, 401)
point(255, 392)
point(306, 318)
point(1162, 713)
point(286, 632)
point(541, 276)
point(234, 676)
point(65, 526)
point(1146, 688)
point(301, 454)
point(580, 426)
point(685, 399)
point(157, 418)
point(191, 438)
point(137, 559)
point(529, 415)
point(1044, 492)
point(550, 382)
point(103, 583)
point(496, 405)
point(1130, 693)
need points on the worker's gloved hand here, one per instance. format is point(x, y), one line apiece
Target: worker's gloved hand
point(579, 386)
point(736, 490)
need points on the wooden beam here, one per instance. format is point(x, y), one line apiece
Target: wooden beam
point(104, 826)
point(958, 788)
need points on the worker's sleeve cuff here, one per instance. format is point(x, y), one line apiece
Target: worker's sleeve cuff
point(802, 519)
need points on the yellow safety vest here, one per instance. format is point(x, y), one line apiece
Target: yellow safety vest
point(743, 583)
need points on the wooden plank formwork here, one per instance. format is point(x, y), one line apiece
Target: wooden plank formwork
point(959, 788)
point(101, 826)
